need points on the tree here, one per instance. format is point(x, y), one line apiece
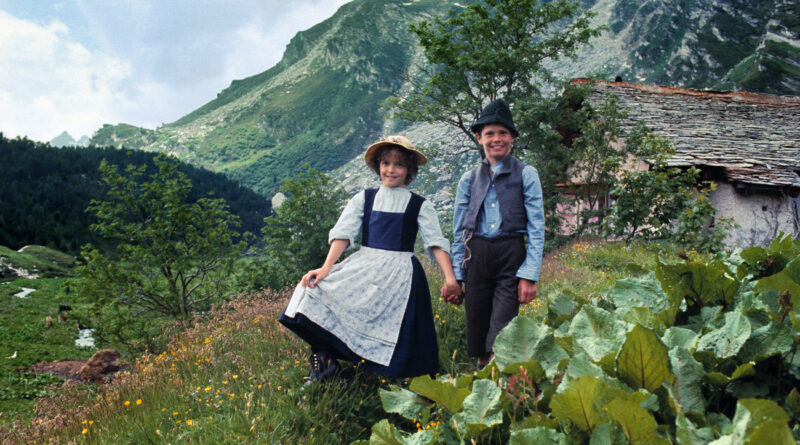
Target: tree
point(172, 258)
point(296, 236)
point(489, 49)
point(500, 48)
point(663, 202)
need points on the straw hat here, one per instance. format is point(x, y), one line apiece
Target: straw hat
point(398, 141)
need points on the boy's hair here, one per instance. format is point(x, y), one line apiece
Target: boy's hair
point(409, 159)
point(476, 130)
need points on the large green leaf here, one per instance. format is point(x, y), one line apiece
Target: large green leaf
point(645, 317)
point(384, 433)
point(727, 340)
point(686, 389)
point(537, 436)
point(483, 408)
point(787, 279)
point(582, 402)
point(525, 340)
point(608, 433)
point(598, 332)
point(686, 433)
point(680, 337)
point(759, 421)
point(643, 360)
point(643, 291)
point(444, 393)
point(702, 283)
point(637, 423)
point(743, 370)
point(404, 402)
point(774, 338)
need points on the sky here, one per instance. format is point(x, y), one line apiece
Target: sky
point(74, 65)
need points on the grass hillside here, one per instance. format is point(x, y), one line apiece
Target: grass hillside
point(236, 375)
point(25, 337)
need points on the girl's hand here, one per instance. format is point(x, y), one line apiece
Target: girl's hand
point(451, 292)
point(313, 277)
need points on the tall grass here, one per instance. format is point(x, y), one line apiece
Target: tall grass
point(236, 375)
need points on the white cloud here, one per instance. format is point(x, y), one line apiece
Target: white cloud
point(83, 63)
point(49, 83)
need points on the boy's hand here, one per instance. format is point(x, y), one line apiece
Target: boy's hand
point(451, 292)
point(526, 290)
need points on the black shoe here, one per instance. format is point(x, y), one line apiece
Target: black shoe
point(323, 367)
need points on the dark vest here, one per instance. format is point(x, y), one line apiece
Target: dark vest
point(508, 186)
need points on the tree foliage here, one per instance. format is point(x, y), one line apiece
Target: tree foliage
point(491, 49)
point(172, 258)
point(45, 191)
point(296, 236)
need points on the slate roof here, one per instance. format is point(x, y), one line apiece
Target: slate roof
point(753, 138)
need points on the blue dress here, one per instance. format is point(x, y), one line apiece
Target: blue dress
point(416, 351)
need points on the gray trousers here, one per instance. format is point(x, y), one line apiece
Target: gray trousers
point(491, 299)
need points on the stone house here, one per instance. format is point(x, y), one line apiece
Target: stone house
point(749, 144)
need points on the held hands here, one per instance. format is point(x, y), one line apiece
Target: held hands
point(313, 277)
point(526, 290)
point(452, 292)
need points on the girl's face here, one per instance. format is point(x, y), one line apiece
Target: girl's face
point(393, 169)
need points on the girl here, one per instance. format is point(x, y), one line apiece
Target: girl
point(374, 307)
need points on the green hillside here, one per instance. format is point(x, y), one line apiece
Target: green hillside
point(319, 104)
point(45, 192)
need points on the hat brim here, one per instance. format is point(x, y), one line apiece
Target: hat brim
point(373, 150)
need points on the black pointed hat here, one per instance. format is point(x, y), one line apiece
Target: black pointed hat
point(496, 112)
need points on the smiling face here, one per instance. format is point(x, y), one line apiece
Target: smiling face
point(496, 141)
point(393, 169)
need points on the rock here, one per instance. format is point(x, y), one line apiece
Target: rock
point(98, 369)
point(67, 369)
point(6, 272)
point(102, 363)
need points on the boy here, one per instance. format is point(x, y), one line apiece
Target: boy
point(497, 204)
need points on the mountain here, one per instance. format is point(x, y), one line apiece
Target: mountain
point(319, 104)
point(65, 140)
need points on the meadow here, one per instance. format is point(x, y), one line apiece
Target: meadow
point(235, 375)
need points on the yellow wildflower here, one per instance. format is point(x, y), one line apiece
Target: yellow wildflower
point(85, 430)
point(127, 403)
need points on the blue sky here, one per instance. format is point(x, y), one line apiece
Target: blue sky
point(76, 64)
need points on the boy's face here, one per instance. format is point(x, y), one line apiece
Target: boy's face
point(496, 140)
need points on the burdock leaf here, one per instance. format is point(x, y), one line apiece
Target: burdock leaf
point(637, 423)
point(444, 393)
point(689, 375)
point(643, 360)
point(525, 340)
point(582, 402)
point(727, 340)
point(537, 436)
point(482, 408)
point(404, 402)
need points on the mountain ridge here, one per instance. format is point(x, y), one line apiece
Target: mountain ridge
point(319, 104)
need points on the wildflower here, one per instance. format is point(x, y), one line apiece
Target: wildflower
point(174, 413)
point(259, 386)
point(189, 422)
point(85, 430)
point(138, 401)
point(235, 376)
point(91, 422)
point(207, 389)
point(127, 403)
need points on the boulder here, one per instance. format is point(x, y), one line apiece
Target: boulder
point(98, 369)
point(100, 365)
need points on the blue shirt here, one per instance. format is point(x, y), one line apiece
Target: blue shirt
point(490, 220)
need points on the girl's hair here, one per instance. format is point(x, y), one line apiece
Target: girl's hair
point(407, 157)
